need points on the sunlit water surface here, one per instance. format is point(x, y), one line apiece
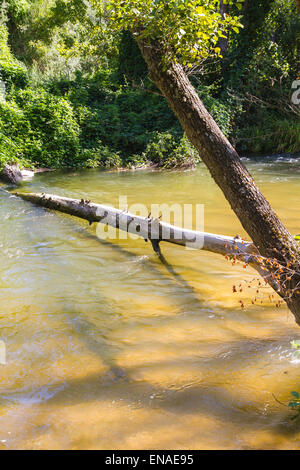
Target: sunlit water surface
point(109, 348)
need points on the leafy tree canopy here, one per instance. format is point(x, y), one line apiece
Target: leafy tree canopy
point(190, 30)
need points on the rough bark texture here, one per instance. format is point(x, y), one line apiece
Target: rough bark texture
point(298, 5)
point(223, 43)
point(254, 212)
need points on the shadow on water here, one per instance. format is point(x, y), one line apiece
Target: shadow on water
point(148, 265)
point(208, 396)
point(96, 342)
point(218, 369)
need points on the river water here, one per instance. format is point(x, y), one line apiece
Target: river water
point(107, 347)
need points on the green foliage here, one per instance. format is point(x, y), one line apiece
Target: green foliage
point(280, 135)
point(126, 123)
point(13, 74)
point(42, 127)
point(189, 30)
point(9, 151)
point(53, 123)
point(14, 132)
point(121, 118)
point(136, 161)
point(262, 66)
point(167, 152)
point(84, 123)
point(33, 21)
point(101, 156)
point(241, 48)
point(131, 65)
point(79, 101)
point(220, 110)
point(5, 52)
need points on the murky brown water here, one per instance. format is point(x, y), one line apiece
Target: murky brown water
point(108, 348)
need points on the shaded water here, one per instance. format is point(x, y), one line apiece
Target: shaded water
point(109, 348)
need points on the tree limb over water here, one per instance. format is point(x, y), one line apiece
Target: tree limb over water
point(157, 231)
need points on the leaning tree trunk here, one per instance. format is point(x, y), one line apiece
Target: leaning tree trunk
point(223, 43)
point(254, 212)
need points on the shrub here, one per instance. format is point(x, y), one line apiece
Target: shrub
point(13, 74)
point(8, 151)
point(135, 161)
point(168, 152)
point(15, 134)
point(220, 110)
point(270, 136)
point(101, 157)
point(53, 126)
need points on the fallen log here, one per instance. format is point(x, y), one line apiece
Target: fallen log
point(155, 230)
point(151, 229)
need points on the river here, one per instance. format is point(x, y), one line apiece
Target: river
point(107, 347)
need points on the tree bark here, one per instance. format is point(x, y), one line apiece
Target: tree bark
point(223, 41)
point(254, 212)
point(298, 5)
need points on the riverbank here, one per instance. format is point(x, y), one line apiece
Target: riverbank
point(285, 157)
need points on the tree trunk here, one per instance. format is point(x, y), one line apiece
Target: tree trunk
point(254, 212)
point(223, 41)
point(298, 5)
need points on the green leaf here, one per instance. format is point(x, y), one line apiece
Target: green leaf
point(295, 394)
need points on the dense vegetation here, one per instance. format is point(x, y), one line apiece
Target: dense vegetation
point(78, 94)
